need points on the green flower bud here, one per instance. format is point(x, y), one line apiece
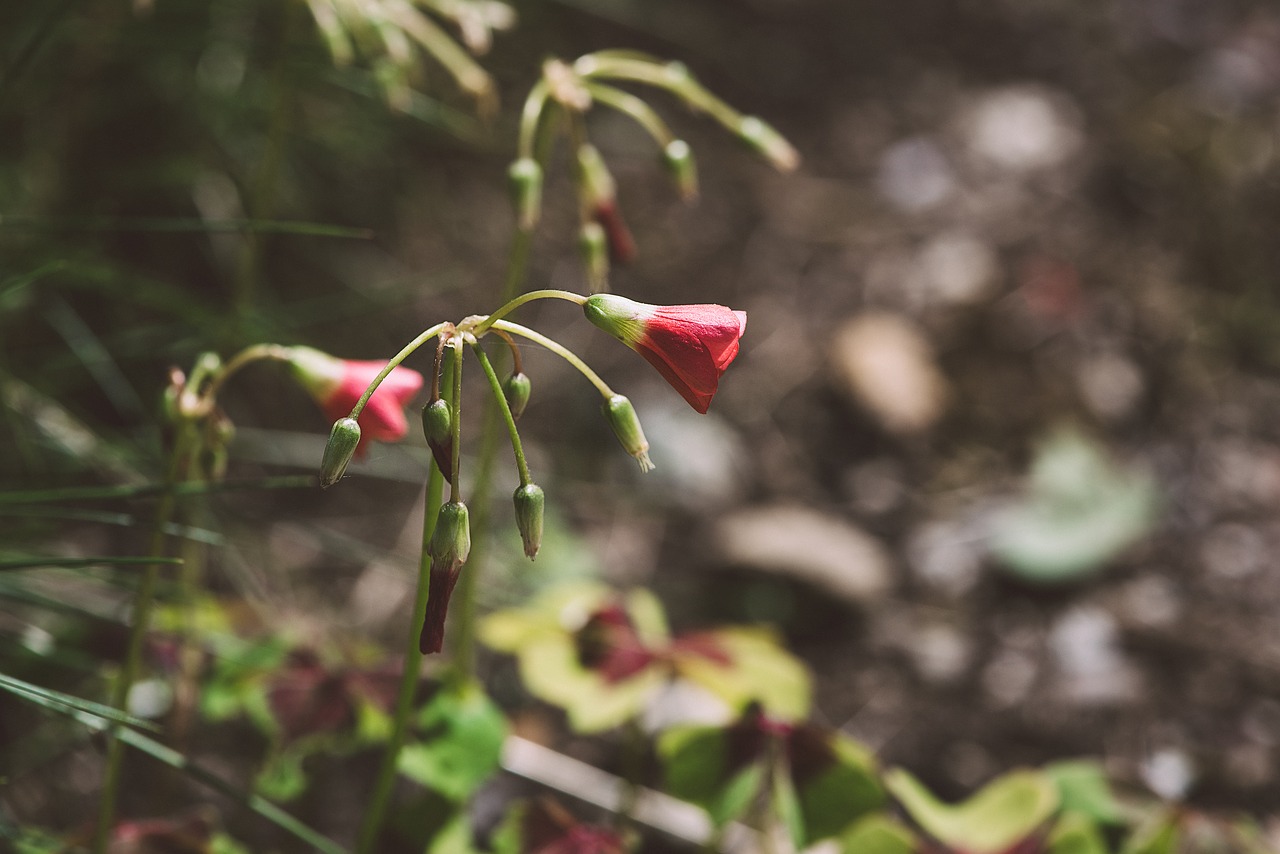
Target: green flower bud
point(451, 540)
point(344, 438)
point(516, 390)
point(677, 157)
point(594, 179)
point(525, 179)
point(768, 143)
point(530, 502)
point(626, 426)
point(593, 245)
point(437, 425)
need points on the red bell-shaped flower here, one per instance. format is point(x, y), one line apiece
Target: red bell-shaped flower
point(690, 345)
point(336, 384)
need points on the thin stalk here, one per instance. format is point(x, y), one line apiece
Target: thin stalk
point(636, 108)
point(408, 349)
point(143, 600)
point(663, 76)
point(516, 302)
point(386, 778)
point(633, 755)
point(560, 350)
point(530, 118)
point(247, 356)
point(504, 409)
point(455, 464)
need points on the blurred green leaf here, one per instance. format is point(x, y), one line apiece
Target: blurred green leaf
point(1076, 834)
point(1084, 789)
point(1080, 512)
point(1158, 834)
point(1003, 813)
point(759, 669)
point(463, 733)
point(877, 834)
point(842, 793)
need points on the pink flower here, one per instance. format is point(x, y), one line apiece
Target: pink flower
point(690, 345)
point(337, 384)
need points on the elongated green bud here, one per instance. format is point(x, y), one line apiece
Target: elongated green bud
point(344, 438)
point(677, 157)
point(437, 426)
point(595, 182)
point(525, 178)
point(451, 540)
point(516, 390)
point(626, 426)
point(530, 503)
point(768, 143)
point(593, 245)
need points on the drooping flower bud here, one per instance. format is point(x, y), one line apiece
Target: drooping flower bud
point(525, 180)
point(344, 438)
point(337, 384)
point(530, 503)
point(516, 390)
point(677, 157)
point(626, 426)
point(449, 549)
point(437, 426)
point(594, 248)
point(768, 143)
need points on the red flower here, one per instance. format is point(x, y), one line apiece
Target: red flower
point(690, 345)
point(337, 384)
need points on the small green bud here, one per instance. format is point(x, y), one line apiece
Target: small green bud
point(594, 179)
point(768, 143)
point(626, 426)
point(516, 390)
point(451, 540)
point(437, 425)
point(525, 179)
point(593, 245)
point(530, 501)
point(344, 438)
point(677, 157)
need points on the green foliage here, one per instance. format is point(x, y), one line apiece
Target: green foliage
point(1004, 812)
point(461, 742)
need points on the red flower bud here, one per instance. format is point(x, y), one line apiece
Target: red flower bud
point(450, 547)
point(690, 345)
point(336, 384)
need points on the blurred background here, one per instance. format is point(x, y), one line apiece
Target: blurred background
point(1000, 456)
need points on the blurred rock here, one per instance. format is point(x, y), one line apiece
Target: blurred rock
point(701, 462)
point(1233, 550)
point(886, 363)
point(958, 269)
point(1092, 670)
point(946, 556)
point(876, 487)
point(940, 652)
point(1110, 385)
point(1023, 128)
point(1009, 677)
point(1150, 601)
point(1169, 772)
point(809, 546)
point(914, 175)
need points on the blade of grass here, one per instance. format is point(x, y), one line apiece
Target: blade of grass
point(14, 564)
point(99, 493)
point(59, 702)
point(181, 225)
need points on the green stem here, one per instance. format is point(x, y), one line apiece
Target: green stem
point(413, 345)
point(504, 409)
point(663, 76)
point(455, 463)
point(560, 350)
point(636, 108)
point(247, 356)
point(530, 118)
point(386, 778)
point(143, 600)
point(516, 302)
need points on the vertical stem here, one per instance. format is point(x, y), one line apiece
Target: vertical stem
point(386, 778)
point(633, 755)
point(140, 619)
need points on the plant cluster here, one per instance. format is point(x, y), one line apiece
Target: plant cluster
point(762, 766)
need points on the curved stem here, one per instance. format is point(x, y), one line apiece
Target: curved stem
point(140, 620)
point(651, 73)
point(530, 118)
point(636, 108)
point(505, 409)
point(517, 364)
point(528, 296)
point(455, 464)
point(409, 676)
point(248, 355)
point(560, 350)
point(391, 366)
